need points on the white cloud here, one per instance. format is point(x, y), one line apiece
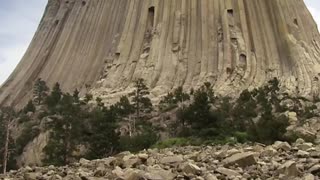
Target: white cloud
point(19, 21)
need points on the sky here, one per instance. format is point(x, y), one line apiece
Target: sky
point(20, 19)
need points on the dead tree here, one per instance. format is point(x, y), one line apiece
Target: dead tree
point(8, 116)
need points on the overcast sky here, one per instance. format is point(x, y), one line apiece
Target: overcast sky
point(19, 21)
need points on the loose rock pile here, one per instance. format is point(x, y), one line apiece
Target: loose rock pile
point(278, 161)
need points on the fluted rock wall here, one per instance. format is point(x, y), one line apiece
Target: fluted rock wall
point(103, 45)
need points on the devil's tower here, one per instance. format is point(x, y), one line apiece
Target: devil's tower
point(104, 45)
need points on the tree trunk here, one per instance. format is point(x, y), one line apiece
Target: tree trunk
point(6, 148)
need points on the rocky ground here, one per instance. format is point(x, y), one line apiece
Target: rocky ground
point(278, 161)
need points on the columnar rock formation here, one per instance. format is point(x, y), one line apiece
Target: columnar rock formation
point(103, 45)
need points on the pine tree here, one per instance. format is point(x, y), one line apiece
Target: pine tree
point(40, 91)
point(65, 132)
point(198, 114)
point(75, 96)
point(88, 97)
point(104, 140)
point(141, 102)
point(99, 102)
point(55, 96)
point(29, 107)
point(123, 108)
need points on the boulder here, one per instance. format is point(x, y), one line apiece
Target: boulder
point(131, 174)
point(304, 146)
point(211, 177)
point(227, 172)
point(131, 161)
point(315, 169)
point(308, 177)
point(282, 145)
point(303, 133)
point(171, 159)
point(190, 168)
point(84, 162)
point(269, 151)
point(241, 159)
point(157, 171)
point(32, 175)
point(303, 154)
point(289, 169)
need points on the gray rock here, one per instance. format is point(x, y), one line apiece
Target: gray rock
point(242, 159)
point(282, 145)
point(315, 169)
point(309, 177)
point(171, 159)
point(304, 146)
point(32, 176)
point(190, 168)
point(303, 154)
point(289, 169)
point(227, 172)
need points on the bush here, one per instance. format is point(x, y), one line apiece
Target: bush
point(241, 137)
point(173, 142)
point(139, 142)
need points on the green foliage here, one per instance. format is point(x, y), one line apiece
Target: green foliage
point(40, 91)
point(140, 100)
point(144, 140)
point(172, 142)
point(23, 118)
point(99, 102)
point(55, 96)
point(268, 129)
point(65, 132)
point(172, 100)
point(104, 140)
point(199, 115)
point(123, 108)
point(75, 96)
point(88, 97)
point(29, 107)
point(241, 137)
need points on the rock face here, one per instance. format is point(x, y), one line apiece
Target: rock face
point(187, 163)
point(103, 45)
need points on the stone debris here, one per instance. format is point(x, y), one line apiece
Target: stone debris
point(242, 161)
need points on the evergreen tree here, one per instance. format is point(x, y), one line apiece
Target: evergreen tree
point(104, 140)
point(141, 101)
point(65, 132)
point(75, 96)
point(88, 97)
point(99, 102)
point(55, 96)
point(180, 96)
point(40, 91)
point(173, 99)
point(29, 107)
point(123, 108)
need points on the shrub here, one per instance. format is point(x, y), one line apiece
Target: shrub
point(139, 142)
point(173, 142)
